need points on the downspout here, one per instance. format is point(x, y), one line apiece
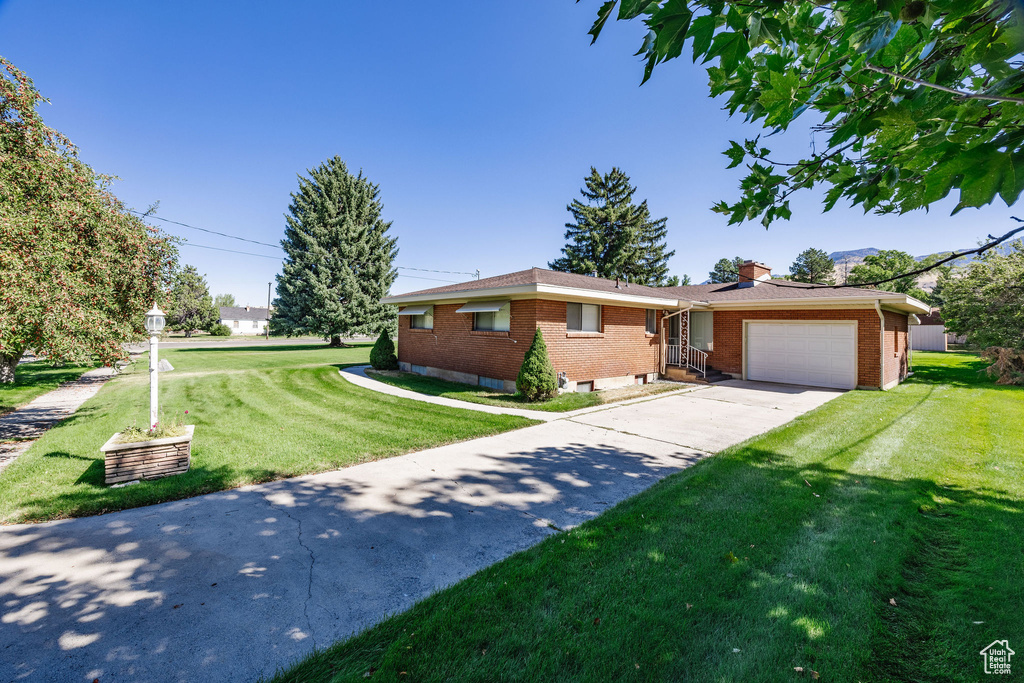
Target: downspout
point(881, 345)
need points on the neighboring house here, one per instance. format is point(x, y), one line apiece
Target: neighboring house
point(244, 319)
point(930, 335)
point(604, 333)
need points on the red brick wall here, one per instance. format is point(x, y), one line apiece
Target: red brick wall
point(896, 346)
point(453, 345)
point(728, 337)
point(622, 348)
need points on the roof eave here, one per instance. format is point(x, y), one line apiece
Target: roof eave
point(537, 290)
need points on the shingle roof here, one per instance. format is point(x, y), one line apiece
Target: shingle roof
point(241, 313)
point(767, 289)
point(541, 276)
point(730, 291)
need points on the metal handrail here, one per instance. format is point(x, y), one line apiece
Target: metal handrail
point(697, 359)
point(673, 354)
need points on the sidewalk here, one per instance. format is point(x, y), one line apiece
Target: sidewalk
point(26, 424)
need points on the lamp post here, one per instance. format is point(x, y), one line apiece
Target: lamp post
point(154, 324)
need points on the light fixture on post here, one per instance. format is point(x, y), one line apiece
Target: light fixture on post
point(154, 325)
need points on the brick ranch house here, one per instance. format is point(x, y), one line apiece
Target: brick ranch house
point(606, 333)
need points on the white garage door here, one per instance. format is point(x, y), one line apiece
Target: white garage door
point(816, 354)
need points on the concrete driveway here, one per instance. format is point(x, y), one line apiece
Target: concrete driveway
point(234, 585)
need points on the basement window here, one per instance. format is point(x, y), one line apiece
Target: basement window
point(582, 317)
point(491, 383)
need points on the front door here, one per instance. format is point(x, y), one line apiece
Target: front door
point(673, 331)
point(701, 330)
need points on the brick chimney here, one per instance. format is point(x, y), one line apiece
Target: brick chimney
point(752, 272)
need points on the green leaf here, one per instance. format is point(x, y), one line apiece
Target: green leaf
point(780, 98)
point(730, 47)
point(736, 153)
point(702, 30)
point(630, 9)
point(602, 18)
point(671, 23)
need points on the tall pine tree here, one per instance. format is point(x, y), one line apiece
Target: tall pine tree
point(339, 258)
point(613, 236)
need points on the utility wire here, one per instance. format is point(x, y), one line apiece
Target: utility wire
point(232, 251)
point(212, 232)
point(149, 214)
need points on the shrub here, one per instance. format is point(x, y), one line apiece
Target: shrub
point(1007, 364)
point(537, 380)
point(220, 330)
point(382, 356)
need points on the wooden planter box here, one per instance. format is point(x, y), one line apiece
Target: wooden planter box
point(147, 459)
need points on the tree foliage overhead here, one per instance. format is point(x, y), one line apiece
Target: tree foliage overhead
point(189, 306)
point(911, 99)
point(339, 258)
point(815, 266)
point(726, 270)
point(985, 299)
point(77, 270)
point(612, 236)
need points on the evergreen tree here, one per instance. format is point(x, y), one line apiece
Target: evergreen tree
point(612, 236)
point(537, 379)
point(813, 265)
point(676, 281)
point(726, 271)
point(382, 355)
point(339, 258)
point(189, 305)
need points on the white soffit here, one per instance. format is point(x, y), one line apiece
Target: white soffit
point(483, 306)
point(414, 310)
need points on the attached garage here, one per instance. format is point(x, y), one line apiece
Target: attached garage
point(820, 354)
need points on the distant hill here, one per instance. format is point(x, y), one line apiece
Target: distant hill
point(846, 260)
point(853, 255)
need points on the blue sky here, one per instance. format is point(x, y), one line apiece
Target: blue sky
point(478, 120)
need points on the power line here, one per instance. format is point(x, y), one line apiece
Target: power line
point(232, 251)
point(450, 272)
point(278, 246)
point(212, 232)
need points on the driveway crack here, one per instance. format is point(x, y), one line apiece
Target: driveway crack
point(312, 562)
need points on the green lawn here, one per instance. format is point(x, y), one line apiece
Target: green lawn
point(878, 538)
point(35, 379)
point(261, 413)
point(559, 404)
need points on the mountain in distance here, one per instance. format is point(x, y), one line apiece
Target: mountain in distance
point(853, 255)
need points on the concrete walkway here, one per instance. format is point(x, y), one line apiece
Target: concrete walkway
point(357, 375)
point(27, 423)
point(234, 585)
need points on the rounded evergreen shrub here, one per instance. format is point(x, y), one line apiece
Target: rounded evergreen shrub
point(537, 380)
point(382, 356)
point(219, 330)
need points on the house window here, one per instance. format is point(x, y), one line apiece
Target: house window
point(255, 324)
point(236, 323)
point(493, 321)
point(491, 383)
point(583, 317)
point(422, 322)
point(652, 321)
